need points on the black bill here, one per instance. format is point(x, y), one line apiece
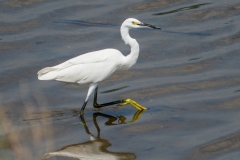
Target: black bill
point(149, 25)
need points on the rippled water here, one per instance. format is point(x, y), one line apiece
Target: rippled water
point(187, 75)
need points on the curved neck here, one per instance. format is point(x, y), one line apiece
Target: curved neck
point(133, 56)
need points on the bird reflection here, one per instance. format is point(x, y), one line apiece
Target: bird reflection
point(96, 147)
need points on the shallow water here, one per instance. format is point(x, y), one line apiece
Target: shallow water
point(187, 75)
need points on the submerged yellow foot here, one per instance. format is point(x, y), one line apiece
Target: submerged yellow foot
point(133, 103)
point(136, 116)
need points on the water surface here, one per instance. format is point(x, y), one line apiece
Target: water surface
point(187, 75)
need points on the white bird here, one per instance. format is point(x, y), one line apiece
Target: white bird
point(93, 67)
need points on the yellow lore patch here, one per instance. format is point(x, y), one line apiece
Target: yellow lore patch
point(135, 23)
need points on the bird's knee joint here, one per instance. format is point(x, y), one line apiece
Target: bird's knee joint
point(128, 100)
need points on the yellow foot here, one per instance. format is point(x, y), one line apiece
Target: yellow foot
point(136, 116)
point(133, 103)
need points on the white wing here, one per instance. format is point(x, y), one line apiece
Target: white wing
point(91, 57)
point(98, 63)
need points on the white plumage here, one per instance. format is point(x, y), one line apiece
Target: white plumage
point(93, 67)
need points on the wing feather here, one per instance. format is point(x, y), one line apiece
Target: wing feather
point(91, 57)
point(49, 73)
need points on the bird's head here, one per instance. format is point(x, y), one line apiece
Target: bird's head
point(134, 23)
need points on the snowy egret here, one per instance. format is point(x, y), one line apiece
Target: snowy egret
point(96, 66)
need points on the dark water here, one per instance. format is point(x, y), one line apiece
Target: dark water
point(187, 75)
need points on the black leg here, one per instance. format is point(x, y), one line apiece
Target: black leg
point(96, 105)
point(110, 121)
point(83, 107)
point(84, 124)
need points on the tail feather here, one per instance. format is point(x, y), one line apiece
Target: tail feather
point(47, 73)
point(46, 70)
point(48, 155)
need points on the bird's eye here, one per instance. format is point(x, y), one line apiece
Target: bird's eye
point(134, 23)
